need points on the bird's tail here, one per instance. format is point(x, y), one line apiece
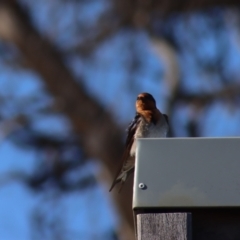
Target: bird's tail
point(114, 183)
point(121, 178)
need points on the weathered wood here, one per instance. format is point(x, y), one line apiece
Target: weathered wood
point(164, 226)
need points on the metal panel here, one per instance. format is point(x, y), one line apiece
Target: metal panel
point(187, 172)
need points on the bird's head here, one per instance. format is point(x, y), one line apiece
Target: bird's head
point(145, 101)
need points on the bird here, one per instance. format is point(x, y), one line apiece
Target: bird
point(148, 122)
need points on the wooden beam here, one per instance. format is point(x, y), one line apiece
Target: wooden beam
point(164, 226)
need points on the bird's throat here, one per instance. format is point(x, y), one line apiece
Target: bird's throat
point(150, 116)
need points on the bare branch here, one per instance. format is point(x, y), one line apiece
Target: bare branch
point(227, 92)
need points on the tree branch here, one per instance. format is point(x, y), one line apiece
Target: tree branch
point(227, 92)
point(101, 137)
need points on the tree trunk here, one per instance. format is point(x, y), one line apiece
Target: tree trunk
point(100, 137)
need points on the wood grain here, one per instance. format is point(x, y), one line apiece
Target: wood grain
point(164, 226)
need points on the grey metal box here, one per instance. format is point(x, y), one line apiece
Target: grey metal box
point(187, 172)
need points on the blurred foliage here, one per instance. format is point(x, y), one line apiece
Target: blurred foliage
point(186, 54)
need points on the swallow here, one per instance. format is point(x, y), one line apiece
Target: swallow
point(148, 122)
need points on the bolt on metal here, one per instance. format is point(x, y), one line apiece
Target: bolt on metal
point(141, 185)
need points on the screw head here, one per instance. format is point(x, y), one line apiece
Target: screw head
point(141, 185)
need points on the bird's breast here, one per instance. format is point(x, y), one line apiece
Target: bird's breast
point(150, 130)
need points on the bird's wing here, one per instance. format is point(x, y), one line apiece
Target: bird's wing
point(128, 145)
point(132, 129)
